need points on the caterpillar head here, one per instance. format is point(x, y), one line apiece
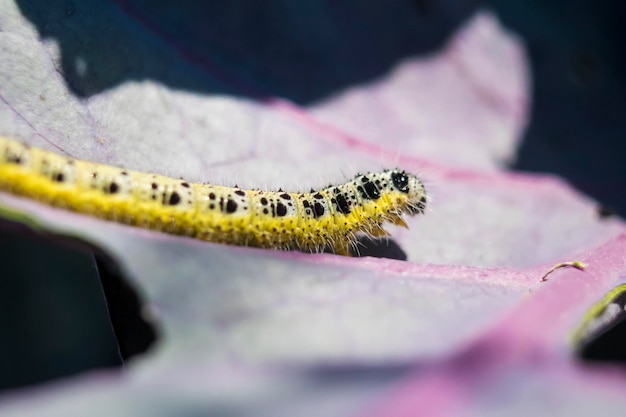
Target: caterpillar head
point(412, 186)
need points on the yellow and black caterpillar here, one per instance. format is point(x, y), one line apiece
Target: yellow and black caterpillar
point(328, 218)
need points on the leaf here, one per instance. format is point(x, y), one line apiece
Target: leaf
point(464, 322)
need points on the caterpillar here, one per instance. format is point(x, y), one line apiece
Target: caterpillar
point(311, 222)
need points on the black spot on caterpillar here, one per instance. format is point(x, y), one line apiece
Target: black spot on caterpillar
point(311, 222)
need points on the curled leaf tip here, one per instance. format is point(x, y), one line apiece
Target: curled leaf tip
point(574, 264)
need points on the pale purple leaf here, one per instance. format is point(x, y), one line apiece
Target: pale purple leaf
point(460, 325)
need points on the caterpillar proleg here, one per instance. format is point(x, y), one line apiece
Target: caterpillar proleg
point(310, 222)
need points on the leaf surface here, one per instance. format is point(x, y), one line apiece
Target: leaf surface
point(464, 321)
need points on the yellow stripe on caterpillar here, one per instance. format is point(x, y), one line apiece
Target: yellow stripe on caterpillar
point(312, 222)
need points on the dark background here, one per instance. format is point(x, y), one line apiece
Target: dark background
point(55, 320)
point(577, 127)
